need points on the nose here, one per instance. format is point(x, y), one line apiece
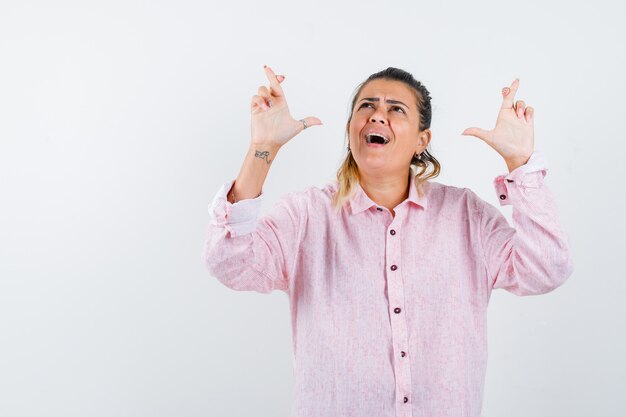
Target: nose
point(378, 116)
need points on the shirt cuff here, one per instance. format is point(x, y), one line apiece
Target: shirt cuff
point(239, 218)
point(529, 175)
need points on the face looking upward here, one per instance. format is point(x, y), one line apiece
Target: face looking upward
point(389, 108)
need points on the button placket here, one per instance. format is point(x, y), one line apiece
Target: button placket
point(399, 327)
point(392, 232)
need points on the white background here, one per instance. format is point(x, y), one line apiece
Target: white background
point(120, 120)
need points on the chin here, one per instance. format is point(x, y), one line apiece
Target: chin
point(372, 165)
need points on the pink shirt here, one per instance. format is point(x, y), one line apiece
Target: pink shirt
point(389, 314)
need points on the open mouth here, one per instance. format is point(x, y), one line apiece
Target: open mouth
point(375, 138)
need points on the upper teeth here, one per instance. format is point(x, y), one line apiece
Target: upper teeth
point(369, 137)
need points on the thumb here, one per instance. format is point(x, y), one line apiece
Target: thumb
point(312, 121)
point(478, 132)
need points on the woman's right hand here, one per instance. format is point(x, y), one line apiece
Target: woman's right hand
point(272, 123)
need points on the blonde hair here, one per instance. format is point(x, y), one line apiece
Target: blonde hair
point(348, 173)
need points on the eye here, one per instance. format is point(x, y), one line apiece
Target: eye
point(393, 107)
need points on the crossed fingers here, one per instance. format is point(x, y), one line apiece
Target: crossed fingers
point(263, 98)
point(508, 94)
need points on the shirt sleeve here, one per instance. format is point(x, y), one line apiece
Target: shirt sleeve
point(246, 253)
point(533, 257)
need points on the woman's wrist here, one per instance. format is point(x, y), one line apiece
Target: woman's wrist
point(249, 182)
point(264, 146)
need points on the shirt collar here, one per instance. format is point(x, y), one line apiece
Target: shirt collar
point(360, 200)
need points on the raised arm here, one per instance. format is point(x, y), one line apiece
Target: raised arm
point(242, 252)
point(533, 257)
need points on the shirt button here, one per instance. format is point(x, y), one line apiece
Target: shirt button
point(406, 400)
point(379, 209)
point(393, 267)
point(397, 310)
point(393, 232)
point(508, 180)
point(403, 354)
point(502, 197)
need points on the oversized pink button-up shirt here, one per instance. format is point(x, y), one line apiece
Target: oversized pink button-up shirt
point(389, 313)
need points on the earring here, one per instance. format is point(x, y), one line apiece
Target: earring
point(349, 148)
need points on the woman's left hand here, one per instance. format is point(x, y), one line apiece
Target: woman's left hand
point(514, 135)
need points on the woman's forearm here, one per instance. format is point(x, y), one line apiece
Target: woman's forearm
point(251, 178)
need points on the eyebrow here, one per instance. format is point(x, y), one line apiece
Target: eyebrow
point(388, 101)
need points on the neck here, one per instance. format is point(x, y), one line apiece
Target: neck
point(386, 192)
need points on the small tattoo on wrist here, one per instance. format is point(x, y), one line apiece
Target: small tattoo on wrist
point(263, 155)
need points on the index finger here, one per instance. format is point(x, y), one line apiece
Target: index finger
point(508, 94)
point(276, 88)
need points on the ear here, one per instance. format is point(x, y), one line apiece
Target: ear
point(423, 139)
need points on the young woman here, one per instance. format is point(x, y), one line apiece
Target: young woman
point(388, 273)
